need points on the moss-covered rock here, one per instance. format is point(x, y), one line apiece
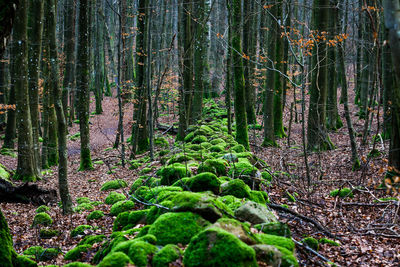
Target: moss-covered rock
point(255, 213)
point(217, 247)
point(243, 170)
point(92, 239)
point(139, 252)
point(268, 254)
point(121, 206)
point(42, 208)
point(238, 148)
point(115, 259)
point(161, 142)
point(81, 200)
point(113, 184)
point(129, 219)
point(218, 141)
point(275, 240)
point(179, 227)
point(205, 181)
point(260, 197)
point(231, 157)
point(172, 173)
point(48, 233)
point(42, 218)
point(77, 252)
point(216, 166)
point(239, 229)
point(311, 242)
point(328, 241)
point(95, 215)
point(4, 174)
point(180, 158)
point(288, 257)
point(199, 139)
point(205, 145)
point(23, 261)
point(42, 254)
point(166, 255)
point(236, 188)
point(80, 230)
point(77, 264)
point(232, 202)
point(83, 207)
point(274, 228)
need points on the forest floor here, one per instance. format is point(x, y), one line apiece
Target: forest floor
point(366, 228)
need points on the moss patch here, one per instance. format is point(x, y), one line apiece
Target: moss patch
point(80, 230)
point(174, 228)
point(95, 215)
point(236, 188)
point(77, 252)
point(216, 166)
point(121, 206)
point(114, 184)
point(115, 259)
point(172, 173)
point(205, 181)
point(42, 218)
point(166, 255)
point(276, 241)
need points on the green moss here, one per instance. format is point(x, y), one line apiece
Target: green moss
point(180, 158)
point(232, 202)
point(344, 192)
point(205, 181)
point(80, 230)
point(95, 215)
point(98, 162)
point(205, 145)
point(311, 242)
point(243, 168)
point(189, 137)
point(42, 254)
point(22, 261)
point(83, 206)
point(113, 197)
point(266, 176)
point(6, 244)
point(77, 252)
point(258, 196)
point(115, 259)
point(194, 147)
point(328, 241)
point(114, 184)
point(276, 241)
point(77, 264)
point(174, 228)
point(217, 247)
point(81, 200)
point(145, 170)
point(274, 228)
point(121, 206)
point(42, 218)
point(217, 148)
point(236, 188)
point(139, 252)
point(288, 259)
point(199, 139)
point(48, 233)
point(216, 166)
point(126, 219)
point(161, 142)
point(134, 164)
point(8, 152)
point(92, 239)
point(218, 141)
point(171, 173)
point(166, 255)
point(238, 148)
point(42, 208)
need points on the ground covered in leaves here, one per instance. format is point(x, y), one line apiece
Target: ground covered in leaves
point(361, 219)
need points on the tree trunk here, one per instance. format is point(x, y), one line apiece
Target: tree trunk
point(238, 73)
point(82, 78)
point(318, 138)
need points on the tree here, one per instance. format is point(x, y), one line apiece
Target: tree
point(186, 66)
point(238, 80)
point(82, 77)
point(317, 135)
point(392, 20)
point(35, 47)
point(26, 169)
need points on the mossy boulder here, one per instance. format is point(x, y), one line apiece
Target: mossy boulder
point(115, 259)
point(81, 200)
point(4, 174)
point(113, 197)
point(205, 181)
point(236, 188)
point(23, 261)
point(199, 139)
point(77, 264)
point(113, 184)
point(42, 208)
point(216, 166)
point(217, 148)
point(179, 158)
point(129, 219)
point(179, 227)
point(218, 141)
point(81, 230)
point(238, 148)
point(274, 228)
point(217, 247)
point(172, 173)
point(48, 233)
point(275, 240)
point(255, 213)
point(137, 250)
point(83, 207)
point(95, 215)
point(244, 170)
point(233, 203)
point(231, 157)
point(161, 142)
point(42, 254)
point(268, 254)
point(311, 242)
point(203, 204)
point(77, 252)
point(92, 239)
point(166, 255)
point(42, 218)
point(121, 206)
point(239, 229)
